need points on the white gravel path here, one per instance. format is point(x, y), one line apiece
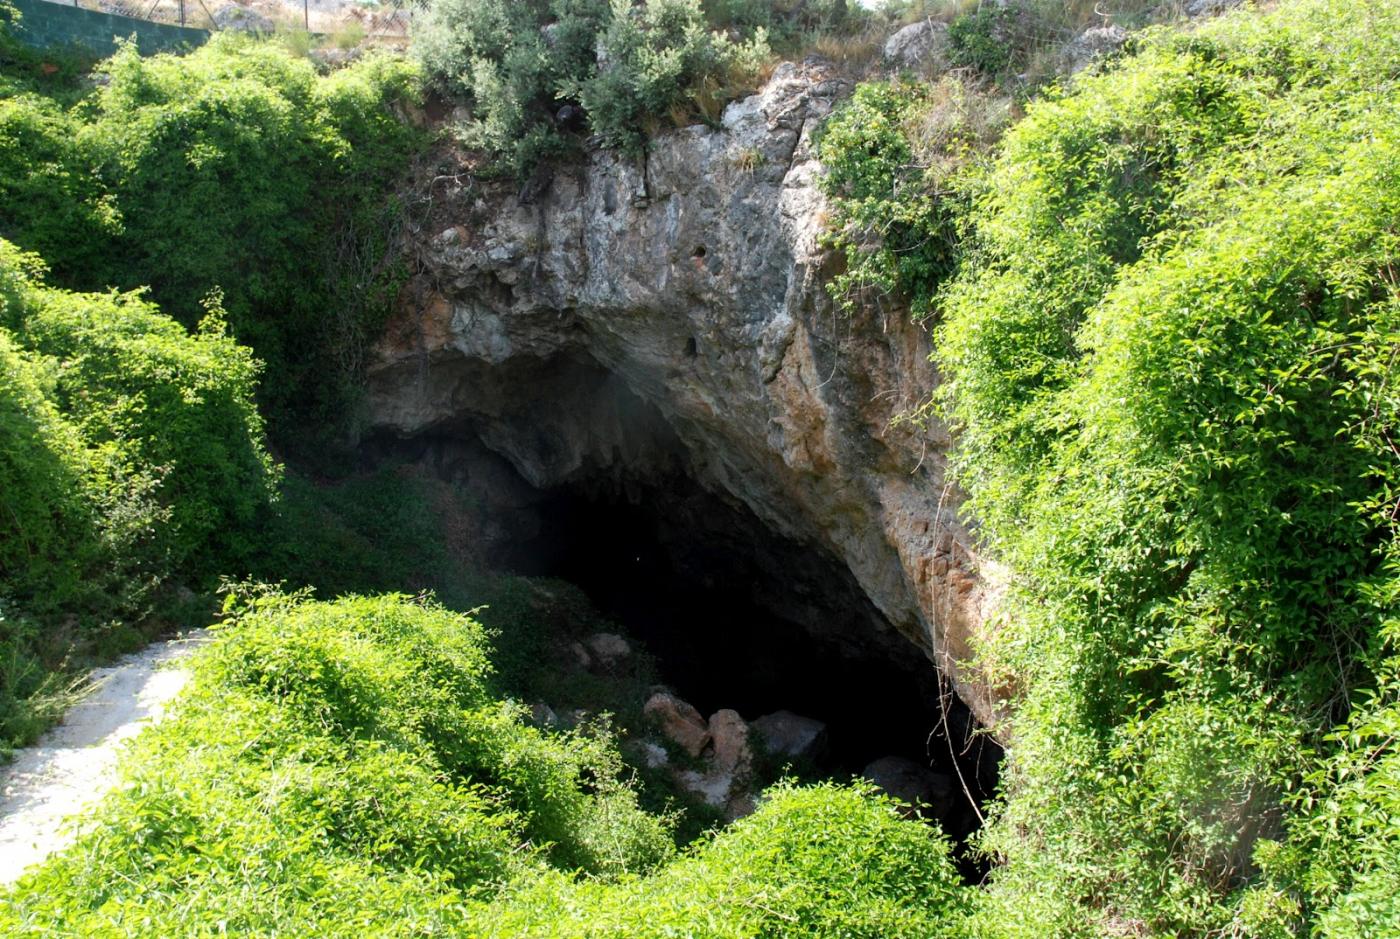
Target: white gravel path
point(74, 764)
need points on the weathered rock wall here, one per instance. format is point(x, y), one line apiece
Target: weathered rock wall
point(693, 281)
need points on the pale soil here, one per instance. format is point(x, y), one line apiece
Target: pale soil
point(74, 765)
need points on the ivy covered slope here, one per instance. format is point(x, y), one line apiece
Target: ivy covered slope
point(234, 167)
point(131, 454)
point(349, 769)
point(1171, 348)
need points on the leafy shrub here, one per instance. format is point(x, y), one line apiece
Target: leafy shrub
point(628, 67)
point(235, 167)
point(130, 451)
point(343, 768)
point(982, 39)
point(819, 861)
point(1171, 357)
point(893, 154)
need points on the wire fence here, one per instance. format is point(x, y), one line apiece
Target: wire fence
point(353, 19)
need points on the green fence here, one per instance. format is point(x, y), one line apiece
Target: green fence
point(45, 24)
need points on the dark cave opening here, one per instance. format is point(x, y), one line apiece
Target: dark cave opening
point(727, 610)
point(708, 611)
point(735, 615)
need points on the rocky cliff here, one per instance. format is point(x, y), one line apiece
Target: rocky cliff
point(630, 316)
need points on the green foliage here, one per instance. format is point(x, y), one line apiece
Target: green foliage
point(893, 154)
point(628, 67)
point(660, 58)
point(235, 167)
point(1171, 357)
point(130, 451)
point(814, 862)
point(982, 38)
point(343, 769)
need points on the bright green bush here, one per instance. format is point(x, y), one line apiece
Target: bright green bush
point(344, 769)
point(172, 405)
point(1171, 357)
point(235, 167)
point(821, 861)
point(130, 452)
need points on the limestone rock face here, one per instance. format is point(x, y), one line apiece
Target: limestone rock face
point(242, 19)
point(630, 314)
point(1199, 8)
point(1091, 45)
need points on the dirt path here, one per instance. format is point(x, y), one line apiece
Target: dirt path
point(74, 764)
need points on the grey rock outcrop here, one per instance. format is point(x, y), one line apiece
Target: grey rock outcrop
point(637, 309)
point(912, 783)
point(1092, 45)
point(922, 45)
point(1199, 8)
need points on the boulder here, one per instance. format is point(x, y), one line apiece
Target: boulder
point(912, 783)
point(243, 20)
point(543, 715)
point(791, 736)
point(607, 650)
point(732, 754)
point(580, 655)
point(724, 783)
point(678, 721)
point(922, 45)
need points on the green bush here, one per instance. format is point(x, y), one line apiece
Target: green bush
point(1171, 357)
point(629, 68)
point(891, 217)
point(235, 167)
point(984, 38)
point(344, 769)
point(130, 451)
point(818, 862)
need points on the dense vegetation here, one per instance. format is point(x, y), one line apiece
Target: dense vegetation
point(130, 452)
point(630, 68)
point(356, 773)
point(1165, 305)
point(1170, 340)
point(235, 168)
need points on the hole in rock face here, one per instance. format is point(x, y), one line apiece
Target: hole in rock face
point(736, 614)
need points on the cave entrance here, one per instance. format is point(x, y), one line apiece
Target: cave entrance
point(705, 606)
point(738, 617)
point(578, 478)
